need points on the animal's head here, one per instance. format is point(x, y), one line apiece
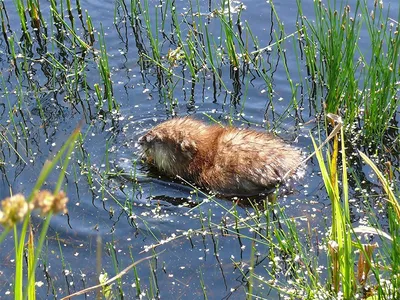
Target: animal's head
point(168, 149)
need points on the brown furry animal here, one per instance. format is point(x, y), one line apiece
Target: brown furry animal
point(228, 161)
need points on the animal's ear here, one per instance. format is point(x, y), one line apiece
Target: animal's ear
point(188, 148)
point(146, 139)
point(149, 137)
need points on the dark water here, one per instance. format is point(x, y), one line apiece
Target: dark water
point(130, 216)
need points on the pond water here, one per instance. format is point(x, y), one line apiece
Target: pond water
point(113, 219)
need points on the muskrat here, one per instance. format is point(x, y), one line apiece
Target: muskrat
point(228, 161)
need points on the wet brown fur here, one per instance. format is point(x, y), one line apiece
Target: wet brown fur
point(228, 161)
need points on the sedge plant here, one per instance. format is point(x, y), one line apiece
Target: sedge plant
point(17, 208)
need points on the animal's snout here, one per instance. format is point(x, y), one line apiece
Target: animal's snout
point(141, 140)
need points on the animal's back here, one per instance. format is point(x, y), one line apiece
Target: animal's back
point(248, 161)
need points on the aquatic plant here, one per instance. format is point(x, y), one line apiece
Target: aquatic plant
point(59, 58)
point(17, 208)
point(358, 83)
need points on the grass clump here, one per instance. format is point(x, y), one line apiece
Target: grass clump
point(17, 208)
point(357, 267)
point(375, 272)
point(361, 83)
point(339, 245)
